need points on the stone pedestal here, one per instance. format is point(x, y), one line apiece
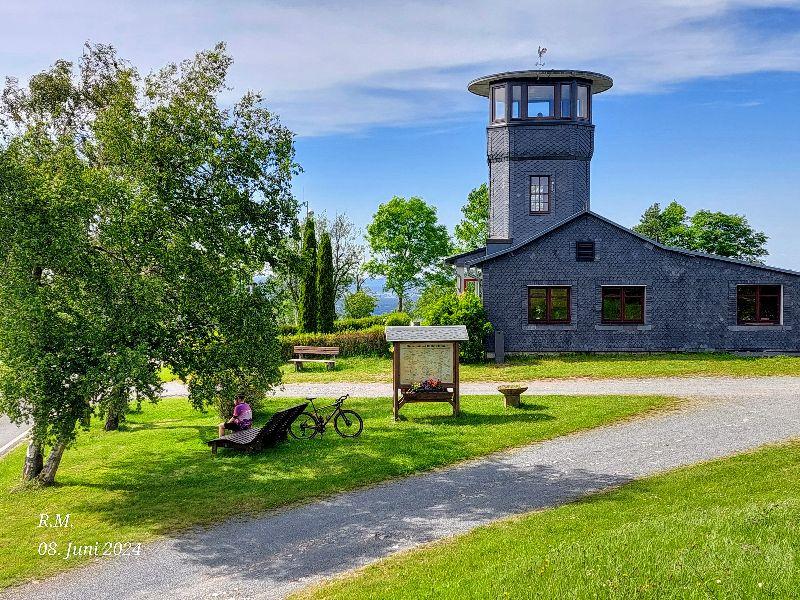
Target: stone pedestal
point(512, 394)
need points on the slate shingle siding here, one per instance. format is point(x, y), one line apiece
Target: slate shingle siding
point(515, 152)
point(690, 301)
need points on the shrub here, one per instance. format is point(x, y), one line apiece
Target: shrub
point(463, 309)
point(398, 318)
point(288, 329)
point(356, 324)
point(359, 305)
point(366, 342)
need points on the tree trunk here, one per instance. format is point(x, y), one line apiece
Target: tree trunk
point(112, 420)
point(48, 474)
point(33, 462)
point(399, 303)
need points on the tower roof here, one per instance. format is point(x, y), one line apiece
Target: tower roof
point(600, 83)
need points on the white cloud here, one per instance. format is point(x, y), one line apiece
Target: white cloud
point(330, 67)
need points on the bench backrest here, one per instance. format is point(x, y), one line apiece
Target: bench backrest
point(279, 422)
point(320, 350)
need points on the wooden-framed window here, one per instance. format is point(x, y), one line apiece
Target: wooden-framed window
point(758, 304)
point(540, 194)
point(548, 305)
point(623, 304)
point(583, 102)
point(584, 251)
point(469, 284)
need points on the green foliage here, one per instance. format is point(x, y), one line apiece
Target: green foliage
point(362, 323)
point(463, 309)
point(398, 318)
point(705, 231)
point(473, 229)
point(359, 305)
point(326, 293)
point(133, 215)
point(364, 342)
point(406, 241)
point(308, 279)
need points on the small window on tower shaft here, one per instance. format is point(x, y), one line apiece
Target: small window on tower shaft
point(584, 251)
point(540, 194)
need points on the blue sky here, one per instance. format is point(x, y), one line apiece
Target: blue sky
point(704, 108)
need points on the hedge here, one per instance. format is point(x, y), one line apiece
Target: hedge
point(365, 342)
point(394, 318)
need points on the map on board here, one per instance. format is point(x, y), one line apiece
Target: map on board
point(423, 360)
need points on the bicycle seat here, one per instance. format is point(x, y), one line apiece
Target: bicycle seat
point(309, 398)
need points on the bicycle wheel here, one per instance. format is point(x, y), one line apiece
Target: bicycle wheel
point(348, 424)
point(304, 427)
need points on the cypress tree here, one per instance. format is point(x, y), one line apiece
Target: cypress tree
point(308, 282)
point(326, 303)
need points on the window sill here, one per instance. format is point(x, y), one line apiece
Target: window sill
point(622, 327)
point(757, 327)
point(550, 327)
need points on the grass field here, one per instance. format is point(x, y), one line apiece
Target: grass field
point(565, 366)
point(158, 476)
point(726, 529)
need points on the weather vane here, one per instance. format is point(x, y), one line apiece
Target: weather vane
point(541, 52)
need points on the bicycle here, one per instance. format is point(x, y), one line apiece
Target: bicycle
point(347, 423)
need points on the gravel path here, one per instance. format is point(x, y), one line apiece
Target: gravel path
point(271, 556)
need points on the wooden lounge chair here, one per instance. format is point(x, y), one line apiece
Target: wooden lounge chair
point(256, 438)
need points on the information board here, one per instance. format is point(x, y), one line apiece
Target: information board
point(423, 360)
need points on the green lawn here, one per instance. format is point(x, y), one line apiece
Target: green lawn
point(725, 529)
point(158, 476)
point(565, 366)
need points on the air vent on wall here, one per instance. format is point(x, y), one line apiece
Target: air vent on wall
point(584, 251)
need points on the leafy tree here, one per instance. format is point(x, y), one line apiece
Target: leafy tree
point(726, 235)
point(473, 229)
point(406, 241)
point(326, 300)
point(133, 216)
point(308, 281)
point(463, 309)
point(348, 253)
point(705, 231)
point(359, 305)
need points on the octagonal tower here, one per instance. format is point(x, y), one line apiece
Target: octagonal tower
point(540, 139)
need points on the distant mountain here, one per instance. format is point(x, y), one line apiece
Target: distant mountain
point(387, 301)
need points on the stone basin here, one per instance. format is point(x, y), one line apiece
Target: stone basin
point(512, 393)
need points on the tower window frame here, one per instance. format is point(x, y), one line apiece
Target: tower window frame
point(541, 200)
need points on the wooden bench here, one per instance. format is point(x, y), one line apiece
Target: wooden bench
point(301, 352)
point(257, 438)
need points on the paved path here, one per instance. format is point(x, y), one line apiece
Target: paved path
point(10, 434)
point(270, 556)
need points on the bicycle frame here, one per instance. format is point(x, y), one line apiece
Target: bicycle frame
point(322, 423)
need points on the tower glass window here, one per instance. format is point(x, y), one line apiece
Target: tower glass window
point(758, 304)
point(541, 99)
point(499, 104)
point(516, 101)
point(548, 305)
point(566, 94)
point(582, 107)
point(540, 194)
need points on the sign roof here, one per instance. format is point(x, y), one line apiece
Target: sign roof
point(432, 333)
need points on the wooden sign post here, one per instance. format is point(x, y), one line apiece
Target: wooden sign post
point(421, 353)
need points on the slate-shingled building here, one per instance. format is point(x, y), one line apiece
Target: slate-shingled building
point(555, 276)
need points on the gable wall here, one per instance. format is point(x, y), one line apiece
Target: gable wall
point(690, 301)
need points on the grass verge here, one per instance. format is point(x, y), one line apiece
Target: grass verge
point(725, 529)
point(599, 366)
point(157, 476)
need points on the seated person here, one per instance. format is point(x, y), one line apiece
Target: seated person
point(242, 417)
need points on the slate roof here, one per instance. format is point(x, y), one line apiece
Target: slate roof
point(541, 234)
point(432, 333)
